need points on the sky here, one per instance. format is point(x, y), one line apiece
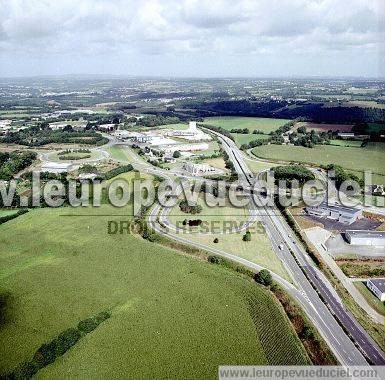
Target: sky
point(193, 38)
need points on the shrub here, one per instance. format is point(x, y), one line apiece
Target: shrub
point(87, 325)
point(215, 260)
point(46, 354)
point(66, 340)
point(247, 236)
point(264, 277)
point(119, 170)
point(185, 207)
point(25, 370)
point(102, 316)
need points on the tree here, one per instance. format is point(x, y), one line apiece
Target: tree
point(264, 277)
point(176, 154)
point(301, 129)
point(68, 128)
point(247, 236)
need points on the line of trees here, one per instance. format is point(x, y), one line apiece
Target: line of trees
point(293, 172)
point(47, 353)
point(42, 134)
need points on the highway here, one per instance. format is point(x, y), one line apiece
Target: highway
point(308, 279)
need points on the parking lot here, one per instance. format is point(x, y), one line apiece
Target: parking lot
point(334, 225)
point(337, 246)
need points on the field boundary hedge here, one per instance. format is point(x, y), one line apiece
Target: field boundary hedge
point(47, 353)
point(4, 219)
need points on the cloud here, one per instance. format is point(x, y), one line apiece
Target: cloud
point(190, 27)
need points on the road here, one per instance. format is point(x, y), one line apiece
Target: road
point(308, 279)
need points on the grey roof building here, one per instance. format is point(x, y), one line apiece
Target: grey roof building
point(343, 214)
point(365, 237)
point(377, 286)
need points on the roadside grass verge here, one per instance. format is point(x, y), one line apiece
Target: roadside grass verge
point(370, 297)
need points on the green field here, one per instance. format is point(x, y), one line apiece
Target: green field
point(356, 159)
point(227, 212)
point(77, 155)
point(171, 313)
point(259, 166)
point(20, 113)
point(118, 153)
point(177, 126)
point(266, 125)
point(259, 250)
point(243, 138)
point(351, 143)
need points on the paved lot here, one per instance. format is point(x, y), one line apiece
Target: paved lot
point(337, 246)
point(333, 225)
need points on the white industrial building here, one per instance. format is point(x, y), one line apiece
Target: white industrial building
point(192, 133)
point(185, 147)
point(107, 127)
point(377, 286)
point(56, 167)
point(57, 126)
point(365, 237)
point(197, 169)
point(342, 214)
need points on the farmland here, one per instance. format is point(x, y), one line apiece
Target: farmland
point(266, 125)
point(241, 138)
point(177, 126)
point(320, 127)
point(217, 162)
point(186, 315)
point(351, 143)
point(256, 166)
point(352, 158)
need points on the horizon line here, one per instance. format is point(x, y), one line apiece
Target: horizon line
point(152, 76)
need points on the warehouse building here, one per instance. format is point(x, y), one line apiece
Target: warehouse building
point(56, 167)
point(377, 286)
point(198, 169)
point(342, 214)
point(365, 237)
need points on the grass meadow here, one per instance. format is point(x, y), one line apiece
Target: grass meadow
point(259, 250)
point(352, 158)
point(245, 138)
point(6, 212)
point(172, 314)
point(266, 125)
point(118, 153)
